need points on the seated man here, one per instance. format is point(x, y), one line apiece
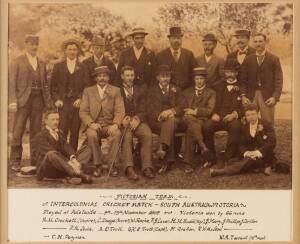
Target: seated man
point(197, 102)
point(55, 157)
point(163, 114)
point(102, 111)
point(227, 113)
point(257, 144)
point(133, 96)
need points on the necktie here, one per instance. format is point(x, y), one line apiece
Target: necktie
point(198, 92)
point(260, 59)
point(54, 134)
point(164, 90)
point(176, 55)
point(129, 92)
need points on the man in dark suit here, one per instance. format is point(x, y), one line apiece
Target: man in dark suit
point(227, 113)
point(98, 59)
point(29, 94)
point(213, 63)
point(55, 157)
point(69, 78)
point(134, 124)
point(102, 112)
point(261, 79)
point(180, 60)
point(163, 114)
point(198, 103)
point(139, 57)
point(257, 144)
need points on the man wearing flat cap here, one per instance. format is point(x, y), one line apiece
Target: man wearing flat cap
point(139, 57)
point(213, 63)
point(180, 60)
point(102, 112)
point(29, 94)
point(163, 114)
point(98, 59)
point(197, 103)
point(227, 113)
point(69, 78)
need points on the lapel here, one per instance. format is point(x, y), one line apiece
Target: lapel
point(42, 71)
point(96, 94)
point(51, 138)
point(29, 67)
point(171, 57)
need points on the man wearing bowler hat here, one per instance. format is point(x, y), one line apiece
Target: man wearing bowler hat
point(102, 112)
point(98, 59)
point(29, 94)
point(213, 63)
point(139, 57)
point(180, 60)
point(69, 78)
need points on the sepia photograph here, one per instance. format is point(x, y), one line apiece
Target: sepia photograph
point(150, 95)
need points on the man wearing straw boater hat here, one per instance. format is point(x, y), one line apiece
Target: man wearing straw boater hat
point(98, 59)
point(102, 111)
point(180, 60)
point(139, 57)
point(29, 94)
point(69, 78)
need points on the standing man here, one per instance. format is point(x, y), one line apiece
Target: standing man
point(102, 112)
point(134, 124)
point(98, 59)
point(29, 93)
point(163, 114)
point(139, 57)
point(214, 64)
point(261, 79)
point(180, 60)
point(69, 78)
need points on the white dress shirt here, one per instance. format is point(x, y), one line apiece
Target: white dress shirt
point(32, 60)
point(230, 85)
point(207, 58)
point(101, 91)
point(71, 65)
point(178, 52)
point(241, 55)
point(97, 60)
point(138, 52)
point(126, 89)
point(198, 91)
point(53, 133)
point(263, 55)
point(162, 88)
point(253, 128)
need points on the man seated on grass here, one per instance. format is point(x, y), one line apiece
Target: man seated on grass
point(55, 157)
point(257, 145)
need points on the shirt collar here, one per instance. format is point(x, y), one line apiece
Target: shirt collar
point(200, 89)
point(254, 125)
point(262, 54)
point(161, 87)
point(232, 82)
point(244, 50)
point(51, 130)
point(29, 56)
point(172, 51)
point(138, 50)
point(98, 59)
point(71, 61)
point(100, 88)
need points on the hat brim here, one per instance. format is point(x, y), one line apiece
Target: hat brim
point(100, 72)
point(70, 42)
point(139, 32)
point(180, 35)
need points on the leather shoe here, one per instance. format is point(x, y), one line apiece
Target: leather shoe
point(131, 175)
point(188, 169)
point(86, 178)
point(165, 167)
point(16, 166)
point(216, 172)
point(98, 172)
point(148, 172)
point(268, 171)
point(72, 180)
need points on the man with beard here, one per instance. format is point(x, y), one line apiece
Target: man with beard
point(69, 78)
point(213, 63)
point(98, 59)
point(227, 113)
point(29, 93)
point(134, 125)
point(180, 60)
point(139, 57)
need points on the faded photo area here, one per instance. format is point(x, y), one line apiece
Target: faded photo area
point(150, 95)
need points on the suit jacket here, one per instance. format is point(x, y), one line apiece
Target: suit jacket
point(91, 65)
point(206, 103)
point(269, 73)
point(144, 66)
point(20, 81)
point(139, 100)
point(44, 142)
point(264, 140)
point(59, 80)
point(182, 71)
point(154, 102)
point(215, 69)
point(111, 105)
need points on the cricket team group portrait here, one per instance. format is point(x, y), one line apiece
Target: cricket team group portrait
point(197, 97)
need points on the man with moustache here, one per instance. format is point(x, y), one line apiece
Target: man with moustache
point(163, 115)
point(213, 63)
point(29, 94)
point(102, 112)
point(198, 103)
point(227, 113)
point(261, 79)
point(69, 78)
point(134, 125)
point(139, 57)
point(180, 60)
point(98, 59)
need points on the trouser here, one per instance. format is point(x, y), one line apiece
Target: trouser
point(233, 128)
point(33, 109)
point(94, 142)
point(266, 112)
point(69, 121)
point(55, 164)
point(144, 135)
